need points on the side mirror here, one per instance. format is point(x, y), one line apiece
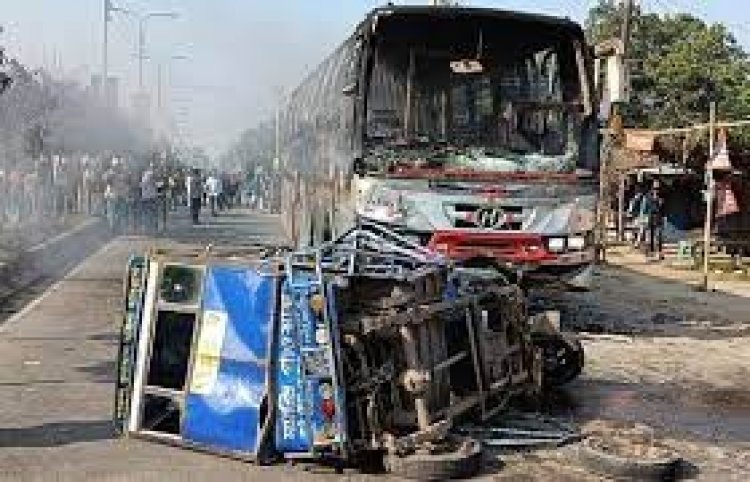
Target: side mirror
point(350, 90)
point(5, 81)
point(611, 74)
point(359, 167)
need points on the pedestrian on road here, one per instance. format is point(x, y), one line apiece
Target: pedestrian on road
point(135, 211)
point(635, 208)
point(150, 201)
point(194, 187)
point(655, 221)
point(116, 197)
point(214, 190)
point(61, 186)
point(651, 219)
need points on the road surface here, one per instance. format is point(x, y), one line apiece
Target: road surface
point(671, 366)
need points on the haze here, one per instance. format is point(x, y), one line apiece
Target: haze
point(234, 54)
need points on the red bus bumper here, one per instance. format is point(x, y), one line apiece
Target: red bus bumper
point(522, 251)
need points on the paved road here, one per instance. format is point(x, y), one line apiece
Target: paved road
point(57, 360)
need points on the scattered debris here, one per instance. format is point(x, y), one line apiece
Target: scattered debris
point(627, 451)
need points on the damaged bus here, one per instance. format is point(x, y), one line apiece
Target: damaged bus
point(472, 131)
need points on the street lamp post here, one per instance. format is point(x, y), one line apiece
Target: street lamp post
point(142, 39)
point(162, 107)
point(160, 71)
point(142, 19)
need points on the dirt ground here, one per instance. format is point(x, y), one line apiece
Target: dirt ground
point(661, 354)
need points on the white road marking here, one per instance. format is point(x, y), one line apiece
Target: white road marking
point(37, 301)
point(64, 235)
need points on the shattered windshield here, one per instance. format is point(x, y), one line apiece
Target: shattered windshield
point(480, 103)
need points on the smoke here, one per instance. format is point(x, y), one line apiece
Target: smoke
point(253, 52)
point(236, 53)
point(41, 115)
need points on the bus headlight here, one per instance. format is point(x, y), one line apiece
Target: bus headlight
point(576, 243)
point(386, 207)
point(556, 245)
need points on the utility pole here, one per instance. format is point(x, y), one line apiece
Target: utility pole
point(710, 188)
point(627, 25)
point(279, 97)
point(105, 48)
point(163, 74)
point(159, 90)
point(141, 51)
point(625, 34)
point(615, 128)
point(142, 19)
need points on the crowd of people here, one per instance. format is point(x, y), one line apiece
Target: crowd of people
point(51, 187)
point(135, 198)
point(218, 192)
point(140, 200)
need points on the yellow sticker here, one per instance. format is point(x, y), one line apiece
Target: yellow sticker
point(208, 352)
point(213, 327)
point(205, 371)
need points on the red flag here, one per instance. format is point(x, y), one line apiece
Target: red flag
point(726, 201)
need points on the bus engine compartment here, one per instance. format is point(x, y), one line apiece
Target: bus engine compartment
point(369, 348)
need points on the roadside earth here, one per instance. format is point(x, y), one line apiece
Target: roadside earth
point(659, 355)
point(14, 239)
point(34, 254)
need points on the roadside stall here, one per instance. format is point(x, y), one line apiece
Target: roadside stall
point(680, 189)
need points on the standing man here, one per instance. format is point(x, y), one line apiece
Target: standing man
point(61, 185)
point(134, 208)
point(87, 188)
point(657, 228)
point(150, 200)
point(654, 210)
point(635, 208)
point(194, 187)
point(116, 197)
point(214, 190)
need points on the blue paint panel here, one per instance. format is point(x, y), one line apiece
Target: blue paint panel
point(228, 417)
point(309, 416)
point(342, 427)
point(292, 426)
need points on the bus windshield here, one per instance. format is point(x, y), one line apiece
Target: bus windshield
point(477, 101)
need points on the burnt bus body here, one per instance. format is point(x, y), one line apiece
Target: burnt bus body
point(471, 130)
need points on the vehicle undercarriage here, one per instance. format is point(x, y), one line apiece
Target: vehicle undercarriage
point(379, 351)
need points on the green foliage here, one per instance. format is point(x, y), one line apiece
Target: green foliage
point(255, 148)
point(681, 57)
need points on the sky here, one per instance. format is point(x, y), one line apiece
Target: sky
point(223, 62)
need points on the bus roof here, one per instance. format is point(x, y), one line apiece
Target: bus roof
point(562, 23)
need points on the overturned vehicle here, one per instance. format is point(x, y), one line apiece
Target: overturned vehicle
point(370, 348)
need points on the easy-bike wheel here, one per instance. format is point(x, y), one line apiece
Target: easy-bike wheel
point(562, 358)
